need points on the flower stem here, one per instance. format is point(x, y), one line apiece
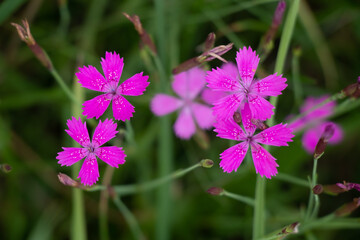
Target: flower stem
point(135, 188)
point(240, 198)
point(292, 179)
point(259, 210)
point(64, 87)
point(129, 217)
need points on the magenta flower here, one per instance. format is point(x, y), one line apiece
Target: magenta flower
point(187, 85)
point(314, 123)
point(89, 77)
point(232, 157)
point(243, 88)
point(105, 131)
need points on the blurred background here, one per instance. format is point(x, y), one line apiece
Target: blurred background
point(34, 110)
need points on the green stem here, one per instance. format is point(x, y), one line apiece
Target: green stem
point(136, 188)
point(259, 210)
point(243, 199)
point(64, 87)
point(129, 217)
point(297, 87)
point(292, 179)
point(78, 226)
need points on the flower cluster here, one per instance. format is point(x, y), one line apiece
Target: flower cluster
point(247, 96)
point(89, 77)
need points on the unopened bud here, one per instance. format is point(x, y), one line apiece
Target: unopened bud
point(68, 181)
point(297, 51)
point(145, 37)
point(25, 35)
point(201, 138)
point(237, 117)
point(324, 139)
point(6, 168)
point(206, 163)
point(318, 189)
point(332, 189)
point(353, 90)
point(210, 41)
point(348, 208)
point(279, 13)
point(259, 124)
point(290, 229)
point(216, 191)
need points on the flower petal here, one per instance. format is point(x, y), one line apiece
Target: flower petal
point(78, 131)
point(89, 172)
point(96, 107)
point(203, 115)
point(163, 104)
point(90, 78)
point(247, 62)
point(278, 135)
point(246, 116)
point(232, 157)
point(134, 86)
point(104, 132)
point(272, 85)
point(264, 163)
point(111, 155)
point(260, 108)
point(219, 80)
point(122, 109)
point(231, 69)
point(229, 129)
point(184, 126)
point(189, 84)
point(319, 113)
point(312, 136)
point(210, 96)
point(112, 66)
point(225, 107)
point(71, 155)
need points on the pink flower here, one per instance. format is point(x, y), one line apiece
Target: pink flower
point(243, 88)
point(89, 77)
point(105, 131)
point(187, 85)
point(314, 123)
point(232, 157)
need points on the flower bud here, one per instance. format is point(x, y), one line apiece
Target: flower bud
point(206, 163)
point(25, 35)
point(145, 37)
point(68, 181)
point(318, 189)
point(279, 13)
point(237, 117)
point(324, 139)
point(216, 191)
point(290, 229)
point(348, 208)
point(259, 124)
point(332, 189)
point(353, 90)
point(6, 168)
point(210, 41)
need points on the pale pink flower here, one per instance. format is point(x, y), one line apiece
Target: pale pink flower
point(89, 77)
point(314, 123)
point(264, 162)
point(243, 88)
point(89, 172)
point(187, 85)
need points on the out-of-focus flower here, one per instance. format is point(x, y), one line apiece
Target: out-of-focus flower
point(265, 164)
point(187, 85)
point(243, 88)
point(353, 90)
point(89, 77)
point(89, 172)
point(347, 186)
point(315, 124)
